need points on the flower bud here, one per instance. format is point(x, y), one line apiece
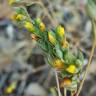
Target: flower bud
point(60, 31)
point(58, 64)
point(71, 69)
point(51, 37)
point(17, 17)
point(65, 44)
point(38, 21)
point(66, 82)
point(42, 26)
point(29, 26)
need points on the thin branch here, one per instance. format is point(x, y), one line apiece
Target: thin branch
point(65, 92)
point(87, 68)
point(71, 93)
point(57, 81)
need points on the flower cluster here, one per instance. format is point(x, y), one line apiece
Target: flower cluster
point(55, 47)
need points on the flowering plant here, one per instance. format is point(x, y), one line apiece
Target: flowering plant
point(55, 46)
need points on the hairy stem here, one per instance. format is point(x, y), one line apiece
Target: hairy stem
point(57, 81)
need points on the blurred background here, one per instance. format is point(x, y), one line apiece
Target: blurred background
point(23, 70)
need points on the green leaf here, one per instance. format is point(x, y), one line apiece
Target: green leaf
point(80, 58)
point(42, 45)
point(79, 63)
point(37, 21)
point(64, 74)
point(69, 58)
point(20, 10)
point(59, 53)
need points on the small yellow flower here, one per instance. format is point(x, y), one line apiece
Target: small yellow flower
point(11, 1)
point(10, 88)
point(42, 26)
point(66, 82)
point(71, 69)
point(60, 31)
point(65, 44)
point(29, 26)
point(51, 38)
point(13, 17)
point(58, 64)
point(17, 17)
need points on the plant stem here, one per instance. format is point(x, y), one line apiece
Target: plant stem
point(87, 68)
point(71, 93)
point(27, 13)
point(65, 92)
point(57, 81)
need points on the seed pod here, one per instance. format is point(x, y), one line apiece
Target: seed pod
point(71, 69)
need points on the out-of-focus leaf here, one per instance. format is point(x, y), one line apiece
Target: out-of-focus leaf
point(91, 8)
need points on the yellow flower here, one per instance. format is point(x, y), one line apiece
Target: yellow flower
point(17, 17)
point(65, 44)
point(58, 64)
point(60, 31)
point(51, 38)
point(71, 69)
point(13, 17)
point(11, 1)
point(66, 82)
point(42, 26)
point(10, 88)
point(29, 26)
